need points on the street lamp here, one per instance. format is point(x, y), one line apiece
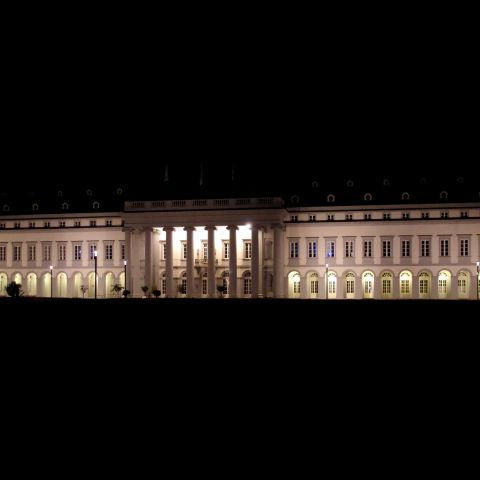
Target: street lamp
point(95, 259)
point(478, 278)
point(326, 281)
point(51, 281)
point(125, 274)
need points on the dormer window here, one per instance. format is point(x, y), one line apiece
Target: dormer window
point(386, 182)
point(350, 183)
point(315, 184)
point(368, 197)
point(96, 205)
point(444, 195)
point(443, 214)
point(405, 196)
point(65, 206)
point(330, 198)
point(59, 193)
point(89, 193)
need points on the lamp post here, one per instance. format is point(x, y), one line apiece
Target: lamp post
point(125, 274)
point(95, 259)
point(478, 278)
point(51, 281)
point(326, 281)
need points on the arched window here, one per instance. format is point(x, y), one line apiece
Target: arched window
point(314, 184)
point(96, 205)
point(35, 206)
point(444, 281)
point(463, 284)
point(386, 182)
point(332, 285)
point(225, 283)
point(405, 196)
point(89, 193)
point(183, 284)
point(367, 280)
point(59, 193)
point(368, 197)
point(387, 284)
point(350, 284)
point(424, 284)
point(444, 195)
point(65, 206)
point(313, 283)
point(405, 284)
point(330, 198)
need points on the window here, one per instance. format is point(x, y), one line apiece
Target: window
point(386, 284)
point(225, 283)
point(443, 214)
point(77, 252)
point(109, 251)
point(31, 225)
point(312, 218)
point(368, 283)
point(463, 214)
point(247, 283)
point(350, 283)
point(122, 251)
point(367, 248)
point(16, 225)
point(349, 249)
point(314, 283)
point(2, 226)
point(462, 283)
point(3, 253)
point(46, 224)
point(184, 283)
point(93, 223)
point(205, 284)
point(164, 284)
point(31, 253)
point(464, 248)
point(296, 284)
point(405, 248)
point(367, 197)
point(312, 249)
point(444, 248)
point(47, 253)
point(77, 223)
point(108, 223)
point(387, 248)
point(425, 248)
point(330, 249)
point(247, 247)
point(348, 217)
point(96, 205)
point(91, 252)
point(442, 286)
point(332, 284)
point(294, 218)
point(405, 286)
point(62, 253)
point(405, 215)
point(386, 216)
point(17, 253)
point(184, 250)
point(205, 251)
point(367, 216)
point(330, 217)
point(226, 250)
point(330, 198)
point(65, 206)
point(61, 224)
point(293, 249)
point(424, 284)
point(425, 215)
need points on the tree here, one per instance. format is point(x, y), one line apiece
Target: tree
point(14, 289)
point(84, 290)
point(144, 289)
point(117, 288)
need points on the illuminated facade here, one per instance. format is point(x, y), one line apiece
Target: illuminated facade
point(247, 247)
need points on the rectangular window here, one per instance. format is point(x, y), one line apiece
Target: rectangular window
point(47, 253)
point(330, 217)
point(442, 286)
point(405, 248)
point(330, 249)
point(312, 218)
point(3, 253)
point(367, 248)
point(109, 251)
point(17, 253)
point(293, 249)
point(462, 286)
point(350, 286)
point(444, 248)
point(91, 252)
point(294, 218)
point(425, 248)
point(349, 249)
point(93, 223)
point(296, 286)
point(386, 216)
point(62, 253)
point(464, 248)
point(78, 223)
point(61, 224)
point(367, 216)
point(405, 286)
point(184, 250)
point(77, 252)
point(314, 286)
point(405, 216)
point(164, 245)
point(332, 286)
point(386, 286)
point(425, 215)
point(46, 224)
point(122, 251)
point(32, 250)
point(226, 250)
point(204, 286)
point(108, 223)
point(312, 249)
point(349, 217)
point(247, 250)
point(247, 286)
point(387, 248)
point(16, 225)
point(31, 225)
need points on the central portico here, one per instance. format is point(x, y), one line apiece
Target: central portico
point(193, 247)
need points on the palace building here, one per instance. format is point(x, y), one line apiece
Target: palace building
point(315, 243)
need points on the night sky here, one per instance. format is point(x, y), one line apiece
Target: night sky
point(339, 106)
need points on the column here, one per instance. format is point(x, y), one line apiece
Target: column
point(129, 258)
point(190, 262)
point(169, 263)
point(358, 287)
point(377, 287)
point(156, 258)
point(148, 257)
point(255, 262)
point(278, 268)
point(211, 261)
point(232, 260)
